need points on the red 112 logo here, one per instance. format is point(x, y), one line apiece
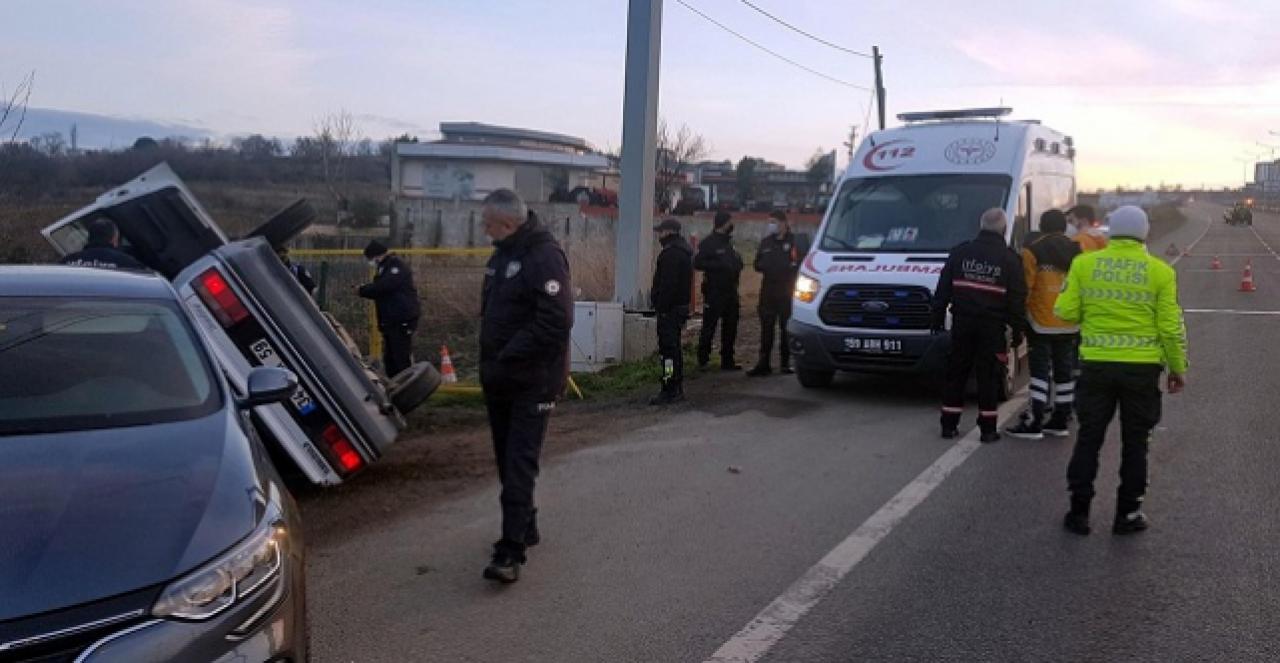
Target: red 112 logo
point(888, 156)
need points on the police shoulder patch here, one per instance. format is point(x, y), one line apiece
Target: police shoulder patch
point(552, 287)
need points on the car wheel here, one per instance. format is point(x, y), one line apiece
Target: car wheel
point(814, 379)
point(287, 223)
point(412, 386)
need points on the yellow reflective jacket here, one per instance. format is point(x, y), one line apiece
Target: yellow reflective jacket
point(1126, 302)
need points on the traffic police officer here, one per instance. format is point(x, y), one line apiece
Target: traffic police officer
point(778, 260)
point(671, 292)
point(721, 266)
point(396, 299)
point(102, 250)
point(984, 287)
point(1131, 330)
point(527, 317)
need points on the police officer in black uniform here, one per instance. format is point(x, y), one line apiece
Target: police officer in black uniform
point(721, 266)
point(671, 292)
point(778, 261)
point(396, 300)
point(985, 288)
point(527, 318)
point(298, 270)
point(103, 249)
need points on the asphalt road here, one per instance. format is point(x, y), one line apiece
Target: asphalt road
point(663, 542)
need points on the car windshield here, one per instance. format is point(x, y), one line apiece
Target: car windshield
point(911, 214)
point(74, 364)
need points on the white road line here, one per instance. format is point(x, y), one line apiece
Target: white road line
point(1264, 242)
point(772, 624)
point(1229, 311)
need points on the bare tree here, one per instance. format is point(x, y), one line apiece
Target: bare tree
point(51, 143)
point(337, 137)
point(677, 152)
point(13, 107)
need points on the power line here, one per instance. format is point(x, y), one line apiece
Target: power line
point(775, 54)
point(818, 39)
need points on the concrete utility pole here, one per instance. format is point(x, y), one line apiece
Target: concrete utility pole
point(879, 60)
point(639, 153)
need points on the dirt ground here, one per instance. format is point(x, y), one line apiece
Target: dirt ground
point(453, 453)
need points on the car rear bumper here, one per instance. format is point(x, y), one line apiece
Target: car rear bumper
point(815, 348)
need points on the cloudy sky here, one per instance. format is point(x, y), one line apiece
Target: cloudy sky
point(1174, 91)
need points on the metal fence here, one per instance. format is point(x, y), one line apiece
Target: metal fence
point(448, 283)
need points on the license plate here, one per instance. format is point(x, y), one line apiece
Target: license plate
point(873, 346)
point(266, 355)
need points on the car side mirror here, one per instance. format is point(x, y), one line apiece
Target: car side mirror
point(268, 385)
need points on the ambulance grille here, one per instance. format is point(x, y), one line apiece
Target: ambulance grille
point(877, 307)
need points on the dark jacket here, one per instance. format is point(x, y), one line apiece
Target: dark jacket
point(982, 281)
point(103, 256)
point(673, 278)
point(721, 264)
point(527, 317)
point(778, 260)
point(303, 276)
point(393, 293)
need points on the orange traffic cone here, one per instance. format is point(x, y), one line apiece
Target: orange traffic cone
point(1246, 284)
point(447, 374)
point(1215, 263)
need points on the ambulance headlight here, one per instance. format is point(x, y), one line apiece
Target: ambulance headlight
point(807, 288)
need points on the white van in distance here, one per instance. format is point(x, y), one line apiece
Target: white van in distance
point(911, 194)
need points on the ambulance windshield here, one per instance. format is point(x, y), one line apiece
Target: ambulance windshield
point(911, 213)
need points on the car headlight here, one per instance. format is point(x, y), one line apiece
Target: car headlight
point(807, 288)
point(234, 575)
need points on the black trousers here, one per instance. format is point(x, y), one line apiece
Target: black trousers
point(974, 346)
point(775, 310)
point(1104, 386)
point(1053, 359)
point(722, 309)
point(518, 426)
point(670, 330)
point(397, 346)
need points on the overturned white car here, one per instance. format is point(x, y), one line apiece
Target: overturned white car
point(344, 414)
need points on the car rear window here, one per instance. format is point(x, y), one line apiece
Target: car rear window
point(75, 364)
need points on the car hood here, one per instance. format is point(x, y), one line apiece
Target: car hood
point(90, 514)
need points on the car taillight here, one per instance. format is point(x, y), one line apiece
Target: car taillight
point(348, 458)
point(221, 300)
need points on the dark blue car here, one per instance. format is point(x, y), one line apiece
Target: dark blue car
point(140, 517)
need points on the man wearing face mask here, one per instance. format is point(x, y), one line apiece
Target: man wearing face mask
point(526, 319)
point(1083, 230)
point(396, 300)
point(721, 266)
point(671, 292)
point(778, 261)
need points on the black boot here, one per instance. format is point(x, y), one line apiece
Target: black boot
point(1130, 523)
point(504, 567)
point(1077, 519)
point(761, 369)
point(668, 396)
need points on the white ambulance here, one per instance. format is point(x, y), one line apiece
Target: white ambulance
point(910, 194)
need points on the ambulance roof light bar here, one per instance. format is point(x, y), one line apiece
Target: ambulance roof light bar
point(994, 113)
